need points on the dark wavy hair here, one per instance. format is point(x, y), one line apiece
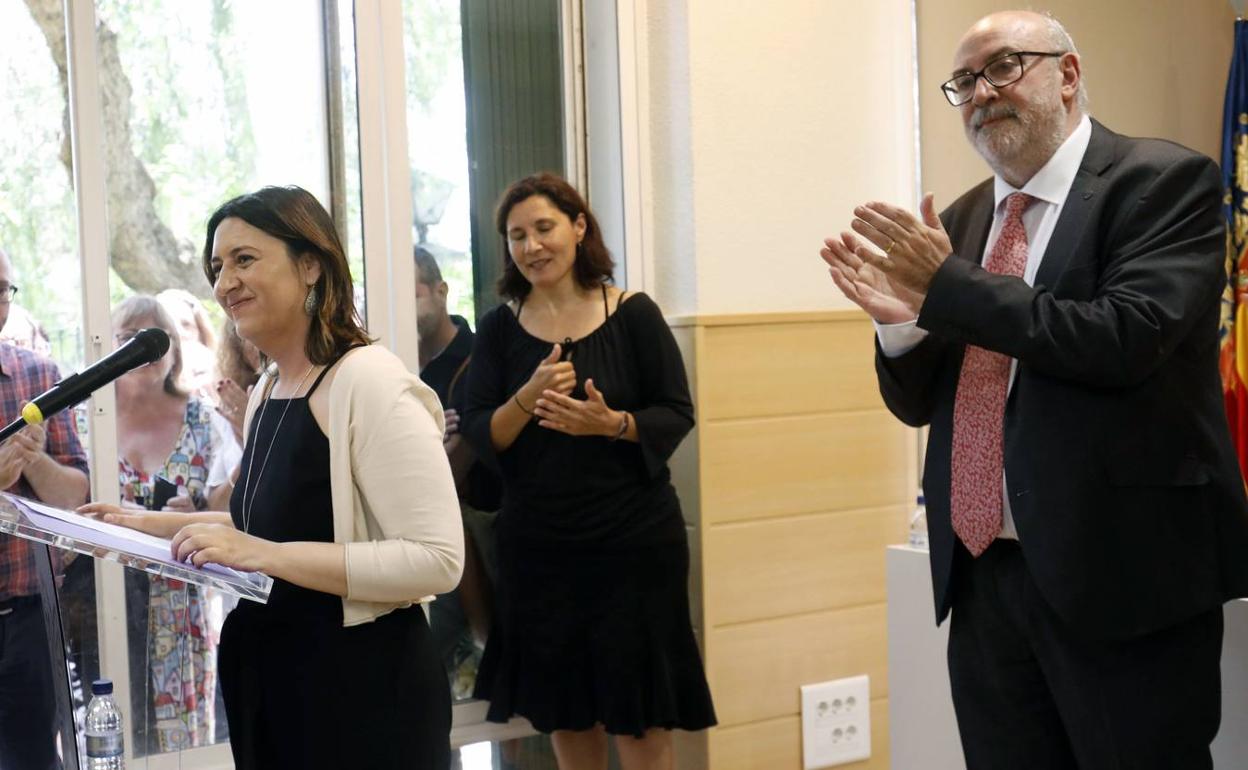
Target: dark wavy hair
point(593, 266)
point(294, 216)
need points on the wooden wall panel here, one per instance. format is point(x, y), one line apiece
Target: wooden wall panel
point(788, 368)
point(776, 744)
point(789, 465)
point(794, 481)
point(777, 567)
point(757, 668)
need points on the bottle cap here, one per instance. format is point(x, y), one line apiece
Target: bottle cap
point(102, 687)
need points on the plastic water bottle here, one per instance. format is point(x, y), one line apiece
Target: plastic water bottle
point(918, 524)
point(106, 736)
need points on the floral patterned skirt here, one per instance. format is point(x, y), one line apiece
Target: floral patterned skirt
point(182, 661)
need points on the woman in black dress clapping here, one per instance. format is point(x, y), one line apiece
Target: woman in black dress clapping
point(577, 395)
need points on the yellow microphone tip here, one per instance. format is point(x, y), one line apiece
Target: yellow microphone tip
point(32, 414)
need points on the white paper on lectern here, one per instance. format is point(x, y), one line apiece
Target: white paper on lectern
point(116, 530)
point(149, 546)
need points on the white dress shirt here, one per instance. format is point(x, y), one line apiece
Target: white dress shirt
point(1050, 186)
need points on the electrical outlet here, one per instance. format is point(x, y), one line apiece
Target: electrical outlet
point(836, 722)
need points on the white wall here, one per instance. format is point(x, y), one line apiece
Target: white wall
point(768, 124)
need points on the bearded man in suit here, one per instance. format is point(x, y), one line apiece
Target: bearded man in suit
point(1057, 329)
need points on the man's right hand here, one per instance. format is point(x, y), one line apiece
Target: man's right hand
point(18, 451)
point(866, 286)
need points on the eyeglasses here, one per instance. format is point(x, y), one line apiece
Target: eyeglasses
point(1000, 72)
point(6, 293)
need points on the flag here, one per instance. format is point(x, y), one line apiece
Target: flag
point(1233, 352)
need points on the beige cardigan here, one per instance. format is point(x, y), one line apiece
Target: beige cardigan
point(394, 500)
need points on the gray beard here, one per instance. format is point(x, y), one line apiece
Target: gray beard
point(1020, 145)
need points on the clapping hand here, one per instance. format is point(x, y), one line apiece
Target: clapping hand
point(551, 374)
point(233, 404)
point(914, 247)
point(866, 285)
point(892, 285)
point(591, 417)
point(19, 451)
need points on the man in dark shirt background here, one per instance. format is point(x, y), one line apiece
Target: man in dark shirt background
point(459, 620)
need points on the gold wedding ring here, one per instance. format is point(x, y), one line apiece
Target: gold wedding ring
point(889, 251)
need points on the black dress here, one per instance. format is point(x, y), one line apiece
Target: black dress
point(592, 613)
point(300, 689)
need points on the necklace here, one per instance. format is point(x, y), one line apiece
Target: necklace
point(248, 489)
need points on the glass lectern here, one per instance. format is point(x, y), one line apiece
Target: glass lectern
point(55, 538)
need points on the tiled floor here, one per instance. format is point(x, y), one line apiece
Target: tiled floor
point(532, 753)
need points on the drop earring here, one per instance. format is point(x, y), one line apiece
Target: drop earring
point(311, 302)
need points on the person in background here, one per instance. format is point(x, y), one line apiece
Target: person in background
point(199, 342)
point(345, 498)
point(577, 396)
point(164, 432)
point(44, 463)
point(24, 330)
point(238, 370)
point(459, 619)
point(1057, 329)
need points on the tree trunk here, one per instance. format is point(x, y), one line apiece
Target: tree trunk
point(143, 249)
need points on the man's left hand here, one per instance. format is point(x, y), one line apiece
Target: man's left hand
point(451, 417)
point(914, 248)
point(36, 437)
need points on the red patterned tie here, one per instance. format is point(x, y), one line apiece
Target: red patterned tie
point(979, 407)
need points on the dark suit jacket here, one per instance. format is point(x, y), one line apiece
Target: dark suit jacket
point(1122, 479)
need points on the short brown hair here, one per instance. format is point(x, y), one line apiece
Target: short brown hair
point(593, 266)
point(144, 307)
point(295, 216)
point(427, 270)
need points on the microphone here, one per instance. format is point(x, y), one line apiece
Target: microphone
point(144, 348)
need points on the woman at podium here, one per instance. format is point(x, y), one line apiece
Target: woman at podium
point(343, 496)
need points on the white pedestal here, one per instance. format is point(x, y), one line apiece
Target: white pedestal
point(922, 731)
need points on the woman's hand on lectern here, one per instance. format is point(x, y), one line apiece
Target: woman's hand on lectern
point(202, 544)
point(134, 517)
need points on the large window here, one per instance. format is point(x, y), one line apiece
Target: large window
point(106, 178)
point(37, 221)
point(485, 94)
point(204, 100)
point(198, 102)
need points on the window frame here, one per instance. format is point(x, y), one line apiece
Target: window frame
point(610, 170)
